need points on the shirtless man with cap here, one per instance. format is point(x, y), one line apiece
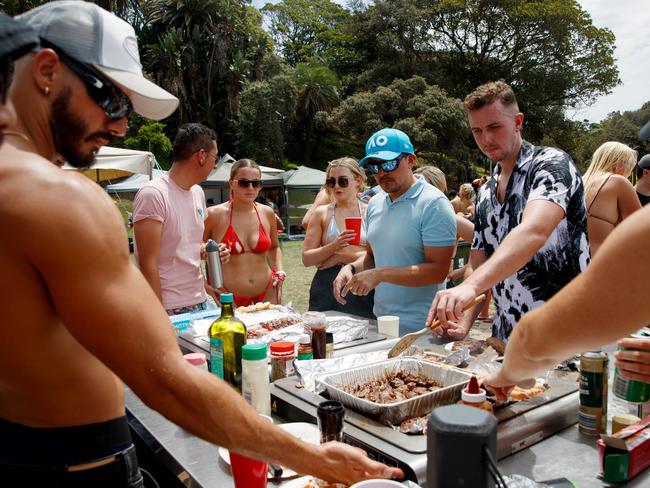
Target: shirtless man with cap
point(78, 317)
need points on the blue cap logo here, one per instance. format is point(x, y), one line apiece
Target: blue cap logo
point(387, 144)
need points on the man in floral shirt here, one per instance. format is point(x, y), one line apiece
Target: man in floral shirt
point(530, 235)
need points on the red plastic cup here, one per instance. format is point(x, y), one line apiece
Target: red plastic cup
point(354, 223)
point(247, 472)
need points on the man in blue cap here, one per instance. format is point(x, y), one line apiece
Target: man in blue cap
point(411, 236)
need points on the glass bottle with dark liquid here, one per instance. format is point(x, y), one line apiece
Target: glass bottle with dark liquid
point(227, 336)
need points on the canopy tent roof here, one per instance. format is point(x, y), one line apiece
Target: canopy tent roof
point(219, 177)
point(133, 183)
point(227, 158)
point(303, 177)
point(113, 163)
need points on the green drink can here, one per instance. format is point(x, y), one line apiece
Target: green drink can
point(592, 415)
point(631, 391)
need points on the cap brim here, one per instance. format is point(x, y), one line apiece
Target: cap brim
point(383, 155)
point(148, 99)
point(644, 133)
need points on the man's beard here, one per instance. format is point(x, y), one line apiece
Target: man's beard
point(69, 132)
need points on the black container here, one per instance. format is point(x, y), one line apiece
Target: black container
point(457, 439)
point(330, 415)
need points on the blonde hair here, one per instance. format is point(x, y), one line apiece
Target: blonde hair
point(434, 176)
point(466, 190)
point(352, 165)
point(604, 161)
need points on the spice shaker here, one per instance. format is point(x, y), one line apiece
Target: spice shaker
point(282, 355)
point(215, 275)
point(317, 323)
point(330, 416)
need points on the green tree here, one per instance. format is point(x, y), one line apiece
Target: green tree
point(266, 115)
point(308, 29)
point(318, 92)
point(548, 50)
point(435, 122)
point(151, 137)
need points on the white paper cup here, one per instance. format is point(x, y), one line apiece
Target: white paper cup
point(388, 325)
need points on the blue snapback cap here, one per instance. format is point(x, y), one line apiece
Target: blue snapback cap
point(387, 144)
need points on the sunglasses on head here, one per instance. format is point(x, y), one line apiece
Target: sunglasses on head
point(386, 166)
point(113, 101)
point(245, 183)
point(343, 182)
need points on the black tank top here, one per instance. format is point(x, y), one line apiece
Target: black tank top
point(643, 198)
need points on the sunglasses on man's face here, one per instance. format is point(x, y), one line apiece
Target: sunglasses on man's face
point(113, 101)
point(386, 166)
point(245, 183)
point(343, 182)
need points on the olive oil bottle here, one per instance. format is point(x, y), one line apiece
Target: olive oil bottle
point(227, 336)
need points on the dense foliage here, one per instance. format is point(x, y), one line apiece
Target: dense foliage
point(305, 81)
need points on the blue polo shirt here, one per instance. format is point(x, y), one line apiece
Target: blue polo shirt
point(398, 232)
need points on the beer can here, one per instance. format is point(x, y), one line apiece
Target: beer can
point(631, 391)
point(592, 415)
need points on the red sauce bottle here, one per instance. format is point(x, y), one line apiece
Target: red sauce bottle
point(474, 396)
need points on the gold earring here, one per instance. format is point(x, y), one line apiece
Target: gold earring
point(46, 90)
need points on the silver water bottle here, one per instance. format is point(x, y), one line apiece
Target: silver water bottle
point(215, 275)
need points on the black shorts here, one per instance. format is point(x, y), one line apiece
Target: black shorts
point(321, 296)
point(97, 455)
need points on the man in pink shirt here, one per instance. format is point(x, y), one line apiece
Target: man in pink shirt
point(168, 215)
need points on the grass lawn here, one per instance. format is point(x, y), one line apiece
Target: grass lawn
point(296, 287)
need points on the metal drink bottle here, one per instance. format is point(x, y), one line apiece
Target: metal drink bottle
point(215, 275)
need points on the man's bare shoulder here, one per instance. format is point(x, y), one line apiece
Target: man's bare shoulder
point(36, 196)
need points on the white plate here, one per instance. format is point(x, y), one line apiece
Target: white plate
point(302, 430)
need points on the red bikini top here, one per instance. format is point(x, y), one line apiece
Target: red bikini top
point(231, 239)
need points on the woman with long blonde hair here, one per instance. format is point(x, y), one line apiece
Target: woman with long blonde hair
point(609, 195)
point(254, 272)
point(328, 244)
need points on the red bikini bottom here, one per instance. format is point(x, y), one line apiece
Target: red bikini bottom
point(243, 301)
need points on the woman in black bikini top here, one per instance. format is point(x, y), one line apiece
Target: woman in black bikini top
point(610, 197)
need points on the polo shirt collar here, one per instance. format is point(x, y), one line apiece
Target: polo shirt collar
point(413, 192)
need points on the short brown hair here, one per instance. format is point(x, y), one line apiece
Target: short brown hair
point(243, 163)
point(489, 93)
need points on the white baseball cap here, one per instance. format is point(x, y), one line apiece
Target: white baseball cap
point(93, 36)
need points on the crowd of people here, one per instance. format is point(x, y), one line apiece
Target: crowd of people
point(534, 225)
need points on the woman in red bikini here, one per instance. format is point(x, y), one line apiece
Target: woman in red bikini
point(609, 195)
point(254, 272)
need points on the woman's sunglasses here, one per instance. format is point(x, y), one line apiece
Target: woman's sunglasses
point(386, 166)
point(343, 182)
point(246, 183)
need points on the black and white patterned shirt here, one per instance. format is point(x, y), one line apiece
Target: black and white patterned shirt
point(541, 173)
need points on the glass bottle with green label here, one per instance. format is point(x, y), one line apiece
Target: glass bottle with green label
point(227, 336)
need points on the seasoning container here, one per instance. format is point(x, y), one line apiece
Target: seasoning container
point(475, 396)
point(592, 415)
point(317, 323)
point(622, 420)
point(197, 359)
point(330, 416)
point(304, 348)
point(329, 344)
point(255, 377)
point(282, 355)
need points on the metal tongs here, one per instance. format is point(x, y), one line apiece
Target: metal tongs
point(405, 342)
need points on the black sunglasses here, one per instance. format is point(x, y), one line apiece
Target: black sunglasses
point(386, 166)
point(245, 183)
point(343, 182)
point(113, 101)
